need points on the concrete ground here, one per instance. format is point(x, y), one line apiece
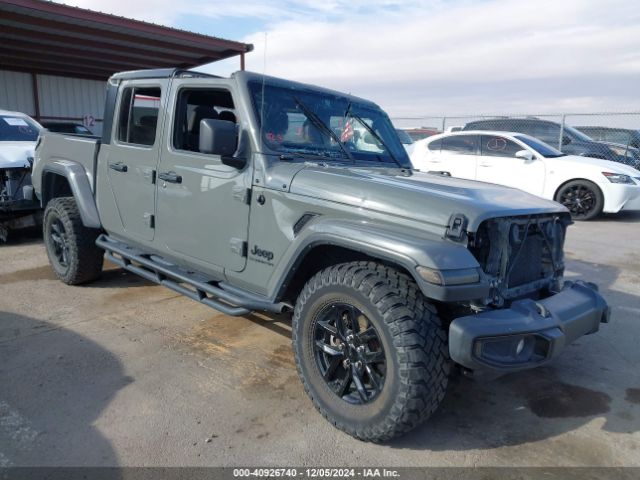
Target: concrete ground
point(123, 372)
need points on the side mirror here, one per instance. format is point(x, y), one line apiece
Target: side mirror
point(525, 155)
point(220, 137)
point(217, 137)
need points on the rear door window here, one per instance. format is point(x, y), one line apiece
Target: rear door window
point(138, 118)
point(460, 144)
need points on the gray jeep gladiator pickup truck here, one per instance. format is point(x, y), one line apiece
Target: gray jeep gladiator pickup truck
point(255, 193)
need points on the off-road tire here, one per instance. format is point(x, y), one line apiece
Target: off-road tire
point(84, 258)
point(414, 340)
point(584, 186)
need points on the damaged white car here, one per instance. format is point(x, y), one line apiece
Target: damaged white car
point(19, 207)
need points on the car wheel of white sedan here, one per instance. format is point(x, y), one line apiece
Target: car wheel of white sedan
point(583, 199)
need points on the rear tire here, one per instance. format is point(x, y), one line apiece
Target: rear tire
point(583, 198)
point(71, 247)
point(396, 337)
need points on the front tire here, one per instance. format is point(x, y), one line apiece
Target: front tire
point(583, 199)
point(370, 350)
point(71, 247)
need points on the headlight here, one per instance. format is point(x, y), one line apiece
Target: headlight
point(618, 178)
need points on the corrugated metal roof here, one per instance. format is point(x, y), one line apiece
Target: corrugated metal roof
point(45, 37)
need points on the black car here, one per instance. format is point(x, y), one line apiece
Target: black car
point(66, 127)
point(573, 141)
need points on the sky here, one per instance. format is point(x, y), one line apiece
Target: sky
point(430, 57)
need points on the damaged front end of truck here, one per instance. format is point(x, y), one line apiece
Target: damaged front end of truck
point(531, 313)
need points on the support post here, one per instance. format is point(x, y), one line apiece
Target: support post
point(561, 132)
point(36, 95)
point(242, 61)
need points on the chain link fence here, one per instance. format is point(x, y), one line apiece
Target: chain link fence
point(610, 136)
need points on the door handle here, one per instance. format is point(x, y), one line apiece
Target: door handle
point(486, 164)
point(171, 177)
point(118, 167)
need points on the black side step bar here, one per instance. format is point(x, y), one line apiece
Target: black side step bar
point(211, 293)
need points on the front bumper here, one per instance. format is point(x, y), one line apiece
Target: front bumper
point(528, 334)
point(619, 197)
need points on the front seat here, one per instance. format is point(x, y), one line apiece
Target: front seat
point(201, 112)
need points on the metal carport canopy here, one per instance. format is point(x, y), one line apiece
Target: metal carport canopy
point(49, 38)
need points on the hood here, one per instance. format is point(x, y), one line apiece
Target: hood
point(424, 197)
point(16, 154)
point(603, 165)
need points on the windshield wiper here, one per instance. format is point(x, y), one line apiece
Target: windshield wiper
point(348, 112)
point(322, 126)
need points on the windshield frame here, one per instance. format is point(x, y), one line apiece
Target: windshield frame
point(393, 154)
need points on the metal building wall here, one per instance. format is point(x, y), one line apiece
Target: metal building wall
point(72, 98)
point(16, 92)
point(61, 98)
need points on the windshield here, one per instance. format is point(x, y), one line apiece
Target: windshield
point(542, 148)
point(577, 134)
point(18, 129)
point(320, 124)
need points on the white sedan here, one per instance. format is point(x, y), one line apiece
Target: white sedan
point(586, 186)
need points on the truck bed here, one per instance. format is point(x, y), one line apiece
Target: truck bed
point(61, 147)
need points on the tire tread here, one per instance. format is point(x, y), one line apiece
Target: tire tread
point(418, 338)
point(86, 258)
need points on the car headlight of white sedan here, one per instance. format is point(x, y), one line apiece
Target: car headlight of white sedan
point(618, 178)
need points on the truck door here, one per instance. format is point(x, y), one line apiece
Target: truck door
point(203, 205)
point(130, 161)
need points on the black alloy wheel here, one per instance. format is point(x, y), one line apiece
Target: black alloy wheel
point(582, 198)
point(59, 243)
point(349, 353)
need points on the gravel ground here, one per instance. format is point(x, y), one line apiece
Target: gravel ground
point(125, 373)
